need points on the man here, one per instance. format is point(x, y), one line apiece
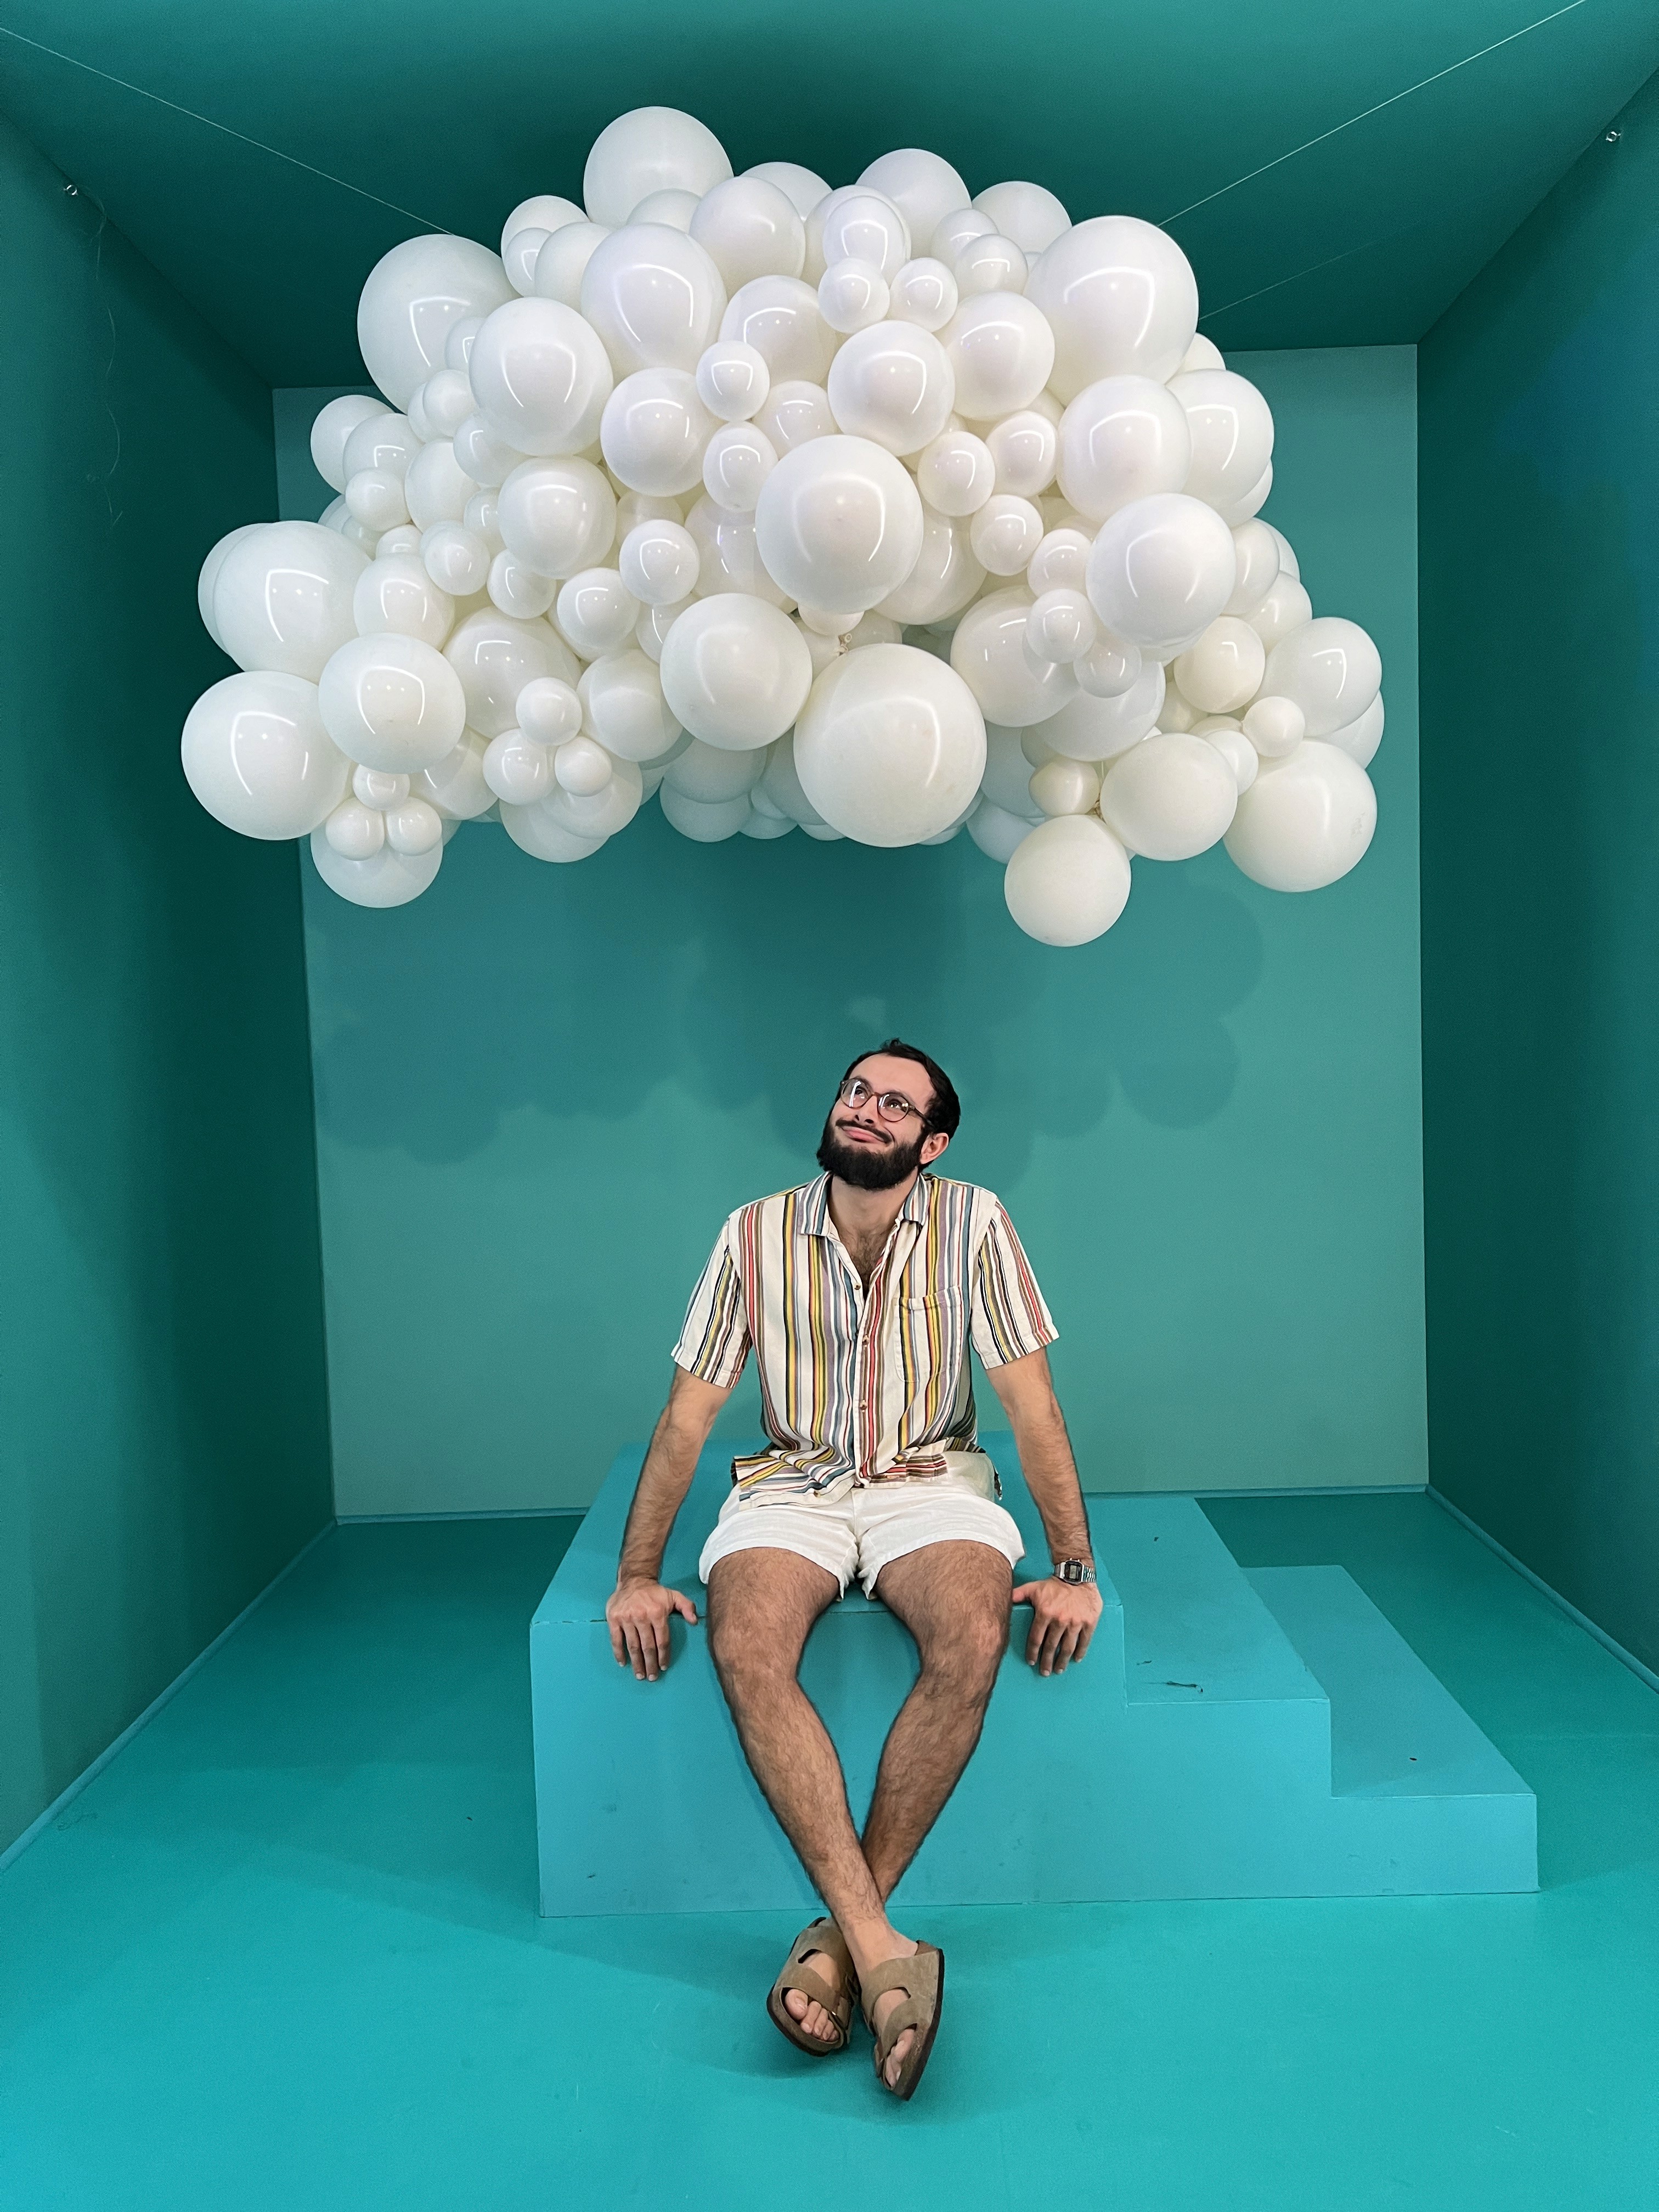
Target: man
point(861, 1293)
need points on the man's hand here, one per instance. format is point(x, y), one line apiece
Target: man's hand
point(637, 1614)
point(1063, 1617)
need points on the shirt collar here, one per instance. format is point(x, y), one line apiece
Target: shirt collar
point(813, 1217)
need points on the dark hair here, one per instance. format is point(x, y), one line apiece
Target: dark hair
point(945, 1113)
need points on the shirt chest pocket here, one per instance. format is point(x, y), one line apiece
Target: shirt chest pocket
point(935, 1328)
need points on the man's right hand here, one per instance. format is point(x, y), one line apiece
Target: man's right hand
point(637, 1614)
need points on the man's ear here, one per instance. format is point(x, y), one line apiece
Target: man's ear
point(932, 1145)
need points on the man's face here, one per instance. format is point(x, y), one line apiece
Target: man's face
point(865, 1149)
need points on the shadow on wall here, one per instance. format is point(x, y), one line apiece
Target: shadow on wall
point(746, 972)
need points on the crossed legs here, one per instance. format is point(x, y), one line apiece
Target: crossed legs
point(953, 1598)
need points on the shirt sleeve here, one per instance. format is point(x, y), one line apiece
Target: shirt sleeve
point(1009, 1317)
point(713, 1343)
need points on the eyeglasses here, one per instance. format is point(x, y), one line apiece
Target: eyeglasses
point(892, 1105)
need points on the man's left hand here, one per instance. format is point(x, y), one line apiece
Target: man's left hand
point(1063, 1617)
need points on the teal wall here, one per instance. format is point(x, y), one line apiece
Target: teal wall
point(1540, 886)
point(163, 1437)
point(539, 1089)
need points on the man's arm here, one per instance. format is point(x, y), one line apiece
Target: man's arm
point(1063, 1614)
point(639, 1609)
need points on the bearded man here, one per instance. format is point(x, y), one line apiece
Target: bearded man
point(861, 1293)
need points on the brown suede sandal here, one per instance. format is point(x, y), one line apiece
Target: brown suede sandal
point(922, 1980)
point(823, 1935)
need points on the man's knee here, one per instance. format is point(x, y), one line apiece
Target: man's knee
point(757, 1622)
point(963, 1655)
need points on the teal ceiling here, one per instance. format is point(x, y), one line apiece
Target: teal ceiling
point(454, 112)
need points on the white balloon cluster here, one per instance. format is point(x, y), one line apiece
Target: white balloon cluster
point(880, 511)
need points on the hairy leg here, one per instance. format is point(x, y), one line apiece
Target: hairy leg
point(953, 1598)
point(762, 1606)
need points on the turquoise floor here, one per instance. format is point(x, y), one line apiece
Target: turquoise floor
point(283, 1953)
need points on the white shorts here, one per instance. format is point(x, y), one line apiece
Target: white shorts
point(866, 1528)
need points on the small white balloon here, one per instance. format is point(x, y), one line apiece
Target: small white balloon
point(673, 207)
point(517, 769)
point(1065, 787)
point(1240, 755)
point(545, 211)
point(736, 462)
point(395, 592)
point(1275, 727)
point(1256, 545)
point(1170, 797)
point(455, 784)
point(1097, 727)
point(382, 442)
point(890, 746)
point(456, 561)
point(582, 767)
point(923, 292)
point(258, 757)
point(711, 773)
point(765, 827)
point(1002, 351)
point(1160, 571)
point(481, 455)
point(998, 832)
point(839, 523)
point(705, 822)
point(654, 431)
point(856, 224)
point(1025, 448)
point(378, 786)
point(1060, 562)
point(1068, 881)
point(548, 710)
point(282, 597)
point(389, 701)
point(534, 829)
point(650, 149)
point(1062, 625)
point(623, 706)
point(1028, 214)
point(1284, 608)
point(1223, 671)
point(989, 653)
point(922, 186)
point(1006, 778)
point(749, 228)
point(436, 486)
point(414, 297)
point(989, 264)
point(1121, 299)
point(793, 414)
point(447, 398)
point(1305, 821)
point(852, 295)
point(658, 562)
point(781, 787)
point(413, 827)
point(599, 813)
point(354, 831)
point(330, 432)
point(735, 671)
point(732, 380)
point(956, 473)
point(893, 384)
point(518, 590)
point(654, 297)
point(386, 879)
point(495, 656)
point(1202, 353)
point(562, 261)
point(597, 612)
point(1005, 535)
point(1330, 668)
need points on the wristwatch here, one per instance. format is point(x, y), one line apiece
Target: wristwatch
point(1073, 1570)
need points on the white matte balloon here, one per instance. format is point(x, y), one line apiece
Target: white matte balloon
point(654, 297)
point(803, 188)
point(541, 378)
point(1121, 439)
point(386, 878)
point(990, 654)
point(1007, 780)
point(1121, 299)
point(1360, 739)
point(673, 207)
point(714, 773)
point(1028, 214)
point(1001, 352)
point(414, 297)
point(258, 757)
point(890, 746)
point(1110, 667)
point(623, 701)
point(1284, 608)
point(735, 671)
point(283, 598)
point(839, 523)
point(582, 767)
point(749, 228)
point(649, 150)
point(1330, 668)
point(543, 835)
point(1305, 821)
point(548, 710)
point(1232, 433)
point(893, 384)
point(1240, 755)
point(1160, 571)
point(390, 701)
point(1068, 881)
point(1092, 728)
point(654, 429)
point(1065, 787)
point(1170, 797)
point(997, 834)
point(557, 516)
point(705, 822)
point(562, 261)
point(1223, 671)
point(922, 186)
point(1274, 727)
point(215, 561)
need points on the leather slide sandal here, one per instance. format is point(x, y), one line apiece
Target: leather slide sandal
point(922, 1980)
point(823, 1935)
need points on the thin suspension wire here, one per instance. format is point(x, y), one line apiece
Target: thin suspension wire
point(1338, 128)
point(276, 152)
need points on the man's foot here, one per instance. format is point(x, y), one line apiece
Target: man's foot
point(902, 1947)
point(807, 2011)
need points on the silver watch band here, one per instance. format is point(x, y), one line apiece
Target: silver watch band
point(1073, 1570)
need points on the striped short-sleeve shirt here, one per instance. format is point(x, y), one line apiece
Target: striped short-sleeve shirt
point(857, 1383)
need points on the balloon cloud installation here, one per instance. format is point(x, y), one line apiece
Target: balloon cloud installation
point(886, 512)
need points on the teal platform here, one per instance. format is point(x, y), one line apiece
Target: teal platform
point(1264, 1734)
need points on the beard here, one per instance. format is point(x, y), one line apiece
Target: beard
point(867, 1167)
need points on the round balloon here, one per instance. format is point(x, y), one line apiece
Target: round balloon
point(414, 297)
point(283, 598)
point(1305, 821)
point(1091, 728)
point(649, 150)
point(1329, 667)
point(541, 378)
point(735, 671)
point(890, 746)
point(1068, 880)
point(1121, 299)
point(557, 516)
point(387, 877)
point(1170, 797)
point(391, 702)
point(990, 654)
point(838, 523)
point(495, 656)
point(1160, 571)
point(892, 383)
point(654, 297)
point(1121, 439)
point(257, 756)
point(534, 829)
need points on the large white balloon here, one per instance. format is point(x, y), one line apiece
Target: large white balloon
point(391, 702)
point(890, 746)
point(216, 560)
point(1170, 797)
point(892, 383)
point(1160, 571)
point(557, 516)
point(1121, 439)
point(650, 149)
point(536, 830)
point(257, 756)
point(838, 524)
point(387, 877)
point(396, 592)
point(922, 186)
point(1001, 350)
point(735, 671)
point(749, 228)
point(414, 296)
point(1223, 671)
point(1068, 881)
point(1232, 435)
point(282, 597)
point(541, 377)
point(654, 429)
point(990, 654)
point(1305, 821)
point(495, 655)
point(654, 297)
point(778, 317)
point(1121, 299)
point(1330, 668)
